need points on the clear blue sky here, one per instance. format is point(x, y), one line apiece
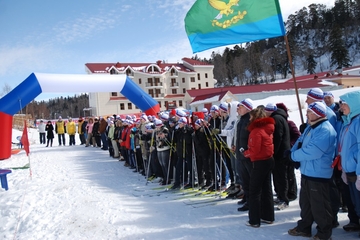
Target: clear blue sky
point(61, 36)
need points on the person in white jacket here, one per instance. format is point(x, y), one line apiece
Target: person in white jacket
point(229, 117)
point(41, 130)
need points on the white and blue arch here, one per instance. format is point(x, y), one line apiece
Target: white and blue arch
point(38, 83)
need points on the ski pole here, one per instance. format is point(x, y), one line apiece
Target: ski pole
point(148, 166)
point(168, 170)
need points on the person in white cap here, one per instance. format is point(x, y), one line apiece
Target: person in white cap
point(315, 150)
point(226, 124)
point(215, 128)
point(60, 130)
point(71, 130)
point(183, 137)
point(41, 129)
point(330, 101)
point(317, 95)
point(243, 165)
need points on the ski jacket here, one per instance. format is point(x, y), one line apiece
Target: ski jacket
point(111, 132)
point(60, 127)
point(281, 134)
point(260, 143)
point(49, 131)
point(71, 128)
point(103, 125)
point(315, 150)
point(183, 137)
point(349, 139)
point(294, 132)
point(241, 135)
point(41, 127)
point(228, 130)
point(201, 143)
point(89, 127)
point(80, 127)
point(95, 129)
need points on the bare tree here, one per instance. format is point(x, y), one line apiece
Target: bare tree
point(5, 90)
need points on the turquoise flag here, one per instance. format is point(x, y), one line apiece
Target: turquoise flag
point(215, 23)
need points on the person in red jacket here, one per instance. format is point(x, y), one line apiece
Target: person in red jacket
point(260, 151)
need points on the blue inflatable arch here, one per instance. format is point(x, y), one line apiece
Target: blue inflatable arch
point(38, 83)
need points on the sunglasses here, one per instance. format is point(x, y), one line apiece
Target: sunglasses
point(342, 102)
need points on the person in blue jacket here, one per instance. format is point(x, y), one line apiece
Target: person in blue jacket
point(315, 150)
point(349, 145)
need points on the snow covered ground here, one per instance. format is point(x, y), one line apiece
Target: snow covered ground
point(82, 193)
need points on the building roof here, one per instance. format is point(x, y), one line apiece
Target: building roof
point(195, 62)
point(161, 66)
point(257, 88)
point(210, 95)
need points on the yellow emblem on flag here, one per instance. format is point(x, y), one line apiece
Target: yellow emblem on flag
point(226, 9)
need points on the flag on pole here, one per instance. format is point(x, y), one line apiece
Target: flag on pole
point(25, 140)
point(215, 23)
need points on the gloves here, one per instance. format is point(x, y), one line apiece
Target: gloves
point(296, 164)
point(302, 127)
point(215, 131)
point(344, 177)
point(357, 183)
point(287, 153)
point(241, 150)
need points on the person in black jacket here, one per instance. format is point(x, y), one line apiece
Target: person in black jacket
point(183, 136)
point(240, 141)
point(281, 144)
point(96, 133)
point(202, 152)
point(49, 128)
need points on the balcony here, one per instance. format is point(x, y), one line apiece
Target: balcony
point(174, 74)
point(159, 95)
point(174, 85)
point(153, 85)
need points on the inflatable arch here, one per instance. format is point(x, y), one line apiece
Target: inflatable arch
point(38, 83)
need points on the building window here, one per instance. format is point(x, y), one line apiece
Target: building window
point(198, 75)
point(114, 94)
point(192, 88)
point(184, 90)
point(157, 93)
point(180, 103)
point(207, 84)
point(129, 105)
point(122, 106)
point(151, 92)
point(139, 80)
point(159, 104)
point(150, 82)
point(173, 91)
point(136, 107)
point(183, 80)
point(199, 86)
point(192, 79)
point(206, 76)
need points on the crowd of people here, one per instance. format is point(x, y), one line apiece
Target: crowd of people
point(255, 148)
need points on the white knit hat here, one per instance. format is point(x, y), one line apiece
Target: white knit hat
point(318, 108)
point(247, 103)
point(316, 94)
point(270, 107)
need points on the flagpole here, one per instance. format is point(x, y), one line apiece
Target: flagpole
point(30, 168)
point(293, 75)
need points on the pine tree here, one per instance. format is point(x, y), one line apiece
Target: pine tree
point(339, 52)
point(311, 64)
